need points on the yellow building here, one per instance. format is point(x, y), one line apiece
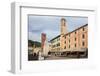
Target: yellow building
point(76, 40)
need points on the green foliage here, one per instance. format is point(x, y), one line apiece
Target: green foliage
point(32, 43)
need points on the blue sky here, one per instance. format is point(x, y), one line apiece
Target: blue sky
point(51, 25)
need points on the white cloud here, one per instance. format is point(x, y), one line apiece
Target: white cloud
point(51, 25)
point(34, 36)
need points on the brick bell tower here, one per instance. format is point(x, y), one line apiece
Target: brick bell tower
point(63, 32)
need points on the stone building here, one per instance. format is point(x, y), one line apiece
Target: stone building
point(55, 44)
point(76, 40)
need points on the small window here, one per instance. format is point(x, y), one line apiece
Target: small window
point(65, 42)
point(83, 28)
point(83, 43)
point(65, 47)
point(64, 23)
point(65, 37)
point(75, 32)
point(69, 46)
point(75, 45)
point(75, 38)
point(58, 44)
point(69, 41)
point(83, 36)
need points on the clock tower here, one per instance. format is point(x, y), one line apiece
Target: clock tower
point(63, 26)
point(63, 32)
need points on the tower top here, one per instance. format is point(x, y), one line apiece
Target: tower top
point(63, 26)
point(63, 19)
